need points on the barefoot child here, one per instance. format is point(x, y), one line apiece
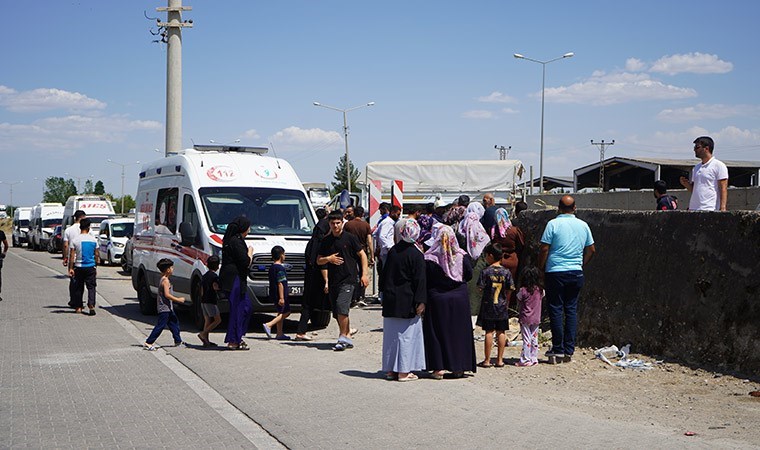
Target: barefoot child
point(166, 315)
point(278, 293)
point(529, 301)
point(496, 284)
point(209, 300)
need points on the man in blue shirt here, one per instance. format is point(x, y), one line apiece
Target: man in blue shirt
point(566, 246)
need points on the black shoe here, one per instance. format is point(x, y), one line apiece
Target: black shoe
point(92, 312)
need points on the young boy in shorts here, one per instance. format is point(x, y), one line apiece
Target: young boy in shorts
point(210, 300)
point(278, 294)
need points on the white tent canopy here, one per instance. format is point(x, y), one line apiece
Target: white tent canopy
point(452, 177)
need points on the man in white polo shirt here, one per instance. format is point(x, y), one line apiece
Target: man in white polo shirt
point(709, 179)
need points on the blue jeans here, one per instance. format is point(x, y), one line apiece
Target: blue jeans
point(562, 289)
point(164, 319)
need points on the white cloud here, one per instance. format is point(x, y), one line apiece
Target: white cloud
point(478, 114)
point(251, 134)
point(609, 89)
point(509, 111)
point(46, 99)
point(711, 112)
point(301, 137)
point(731, 142)
point(634, 65)
point(700, 63)
point(70, 132)
point(496, 97)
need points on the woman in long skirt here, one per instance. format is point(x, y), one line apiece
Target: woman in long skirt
point(236, 259)
point(447, 325)
point(404, 299)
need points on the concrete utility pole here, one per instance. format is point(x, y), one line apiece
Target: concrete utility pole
point(602, 145)
point(174, 25)
point(503, 151)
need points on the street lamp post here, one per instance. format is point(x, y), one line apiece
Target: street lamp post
point(345, 136)
point(543, 91)
point(123, 166)
point(11, 185)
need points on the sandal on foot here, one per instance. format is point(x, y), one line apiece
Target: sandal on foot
point(484, 365)
point(437, 375)
point(410, 377)
point(526, 364)
point(303, 338)
point(391, 376)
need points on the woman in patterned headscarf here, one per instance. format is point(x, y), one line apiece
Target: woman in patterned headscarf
point(448, 329)
point(404, 299)
point(511, 240)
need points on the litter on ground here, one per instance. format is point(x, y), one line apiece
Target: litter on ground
point(612, 351)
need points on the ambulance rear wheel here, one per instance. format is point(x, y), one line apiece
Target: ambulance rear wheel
point(147, 302)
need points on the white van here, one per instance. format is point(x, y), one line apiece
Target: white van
point(21, 217)
point(42, 222)
point(184, 203)
point(114, 234)
point(97, 207)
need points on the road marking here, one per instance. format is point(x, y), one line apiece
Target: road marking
point(248, 427)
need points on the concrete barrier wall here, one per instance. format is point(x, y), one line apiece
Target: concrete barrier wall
point(683, 285)
point(739, 199)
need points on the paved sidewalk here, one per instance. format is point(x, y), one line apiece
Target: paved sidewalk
point(74, 381)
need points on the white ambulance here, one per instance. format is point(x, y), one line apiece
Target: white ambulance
point(42, 221)
point(97, 207)
point(184, 203)
point(21, 217)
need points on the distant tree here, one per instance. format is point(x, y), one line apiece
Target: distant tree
point(340, 176)
point(129, 203)
point(99, 188)
point(58, 190)
point(88, 189)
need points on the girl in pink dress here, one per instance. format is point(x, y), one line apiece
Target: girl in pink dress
point(529, 301)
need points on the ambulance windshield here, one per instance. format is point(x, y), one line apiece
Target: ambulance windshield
point(271, 211)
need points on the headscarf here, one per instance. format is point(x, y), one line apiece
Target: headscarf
point(236, 228)
point(454, 215)
point(502, 224)
point(445, 252)
point(476, 208)
point(474, 233)
point(407, 230)
point(426, 227)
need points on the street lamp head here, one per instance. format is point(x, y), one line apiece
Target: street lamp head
point(568, 55)
point(518, 56)
point(371, 104)
point(317, 104)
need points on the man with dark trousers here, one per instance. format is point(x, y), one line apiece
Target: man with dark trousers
point(566, 247)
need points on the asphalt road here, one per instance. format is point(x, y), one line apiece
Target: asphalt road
point(70, 380)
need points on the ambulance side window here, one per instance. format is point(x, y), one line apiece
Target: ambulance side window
point(165, 217)
point(190, 215)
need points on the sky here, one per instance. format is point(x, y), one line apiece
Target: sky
point(81, 82)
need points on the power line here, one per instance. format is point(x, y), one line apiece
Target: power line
point(602, 145)
point(503, 151)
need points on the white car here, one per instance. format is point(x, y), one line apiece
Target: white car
point(114, 234)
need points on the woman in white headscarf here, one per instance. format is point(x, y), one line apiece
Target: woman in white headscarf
point(404, 298)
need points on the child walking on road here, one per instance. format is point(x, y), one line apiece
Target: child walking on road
point(496, 284)
point(278, 294)
point(529, 302)
point(82, 260)
point(210, 300)
point(166, 315)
